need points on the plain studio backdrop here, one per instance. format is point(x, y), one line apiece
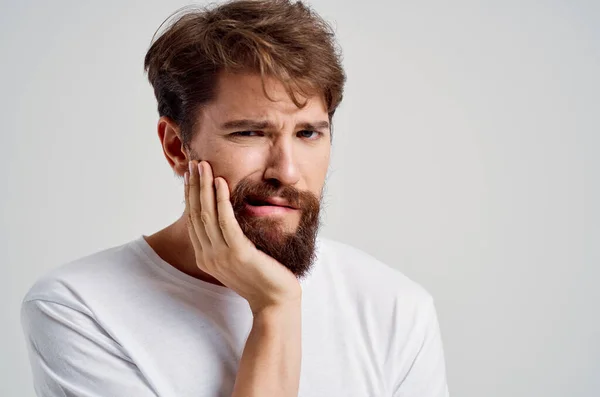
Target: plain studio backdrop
point(465, 155)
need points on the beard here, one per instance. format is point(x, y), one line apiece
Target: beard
point(294, 250)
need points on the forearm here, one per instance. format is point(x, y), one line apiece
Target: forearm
point(270, 363)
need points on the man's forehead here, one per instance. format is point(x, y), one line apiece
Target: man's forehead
point(242, 95)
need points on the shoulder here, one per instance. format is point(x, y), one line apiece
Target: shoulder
point(367, 275)
point(105, 270)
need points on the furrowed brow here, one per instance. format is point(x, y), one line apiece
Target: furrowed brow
point(246, 124)
point(251, 125)
point(316, 126)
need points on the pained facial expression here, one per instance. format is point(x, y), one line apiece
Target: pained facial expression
point(270, 152)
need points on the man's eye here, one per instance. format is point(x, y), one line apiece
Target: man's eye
point(303, 134)
point(308, 134)
point(245, 133)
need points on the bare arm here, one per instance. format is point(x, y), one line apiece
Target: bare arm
point(270, 364)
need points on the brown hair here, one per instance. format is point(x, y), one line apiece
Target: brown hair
point(279, 38)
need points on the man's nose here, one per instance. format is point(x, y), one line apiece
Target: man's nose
point(281, 163)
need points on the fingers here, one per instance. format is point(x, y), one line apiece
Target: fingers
point(194, 209)
point(230, 228)
point(189, 223)
point(208, 203)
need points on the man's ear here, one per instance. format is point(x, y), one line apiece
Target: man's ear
point(169, 134)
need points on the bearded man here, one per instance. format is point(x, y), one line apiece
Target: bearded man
point(240, 296)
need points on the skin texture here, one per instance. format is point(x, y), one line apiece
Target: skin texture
point(221, 240)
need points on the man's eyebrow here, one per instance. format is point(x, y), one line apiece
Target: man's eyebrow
point(314, 126)
point(252, 125)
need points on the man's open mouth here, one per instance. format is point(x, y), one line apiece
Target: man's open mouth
point(257, 202)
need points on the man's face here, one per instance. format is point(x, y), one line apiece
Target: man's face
point(274, 156)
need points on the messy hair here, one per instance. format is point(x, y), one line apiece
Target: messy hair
point(275, 38)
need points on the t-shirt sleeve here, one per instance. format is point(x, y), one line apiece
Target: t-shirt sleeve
point(71, 355)
point(427, 374)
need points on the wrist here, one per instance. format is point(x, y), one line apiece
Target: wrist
point(274, 313)
point(272, 307)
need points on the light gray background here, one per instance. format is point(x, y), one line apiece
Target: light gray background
point(465, 155)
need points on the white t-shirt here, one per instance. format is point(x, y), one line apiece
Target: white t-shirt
point(123, 322)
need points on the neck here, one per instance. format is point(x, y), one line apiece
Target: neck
point(174, 246)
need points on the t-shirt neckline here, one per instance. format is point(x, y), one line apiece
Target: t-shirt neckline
point(164, 266)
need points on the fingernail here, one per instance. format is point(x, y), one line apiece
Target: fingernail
point(191, 166)
point(200, 168)
point(186, 177)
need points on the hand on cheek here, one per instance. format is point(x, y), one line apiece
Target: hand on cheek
point(222, 249)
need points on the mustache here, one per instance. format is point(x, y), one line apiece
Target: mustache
point(261, 191)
